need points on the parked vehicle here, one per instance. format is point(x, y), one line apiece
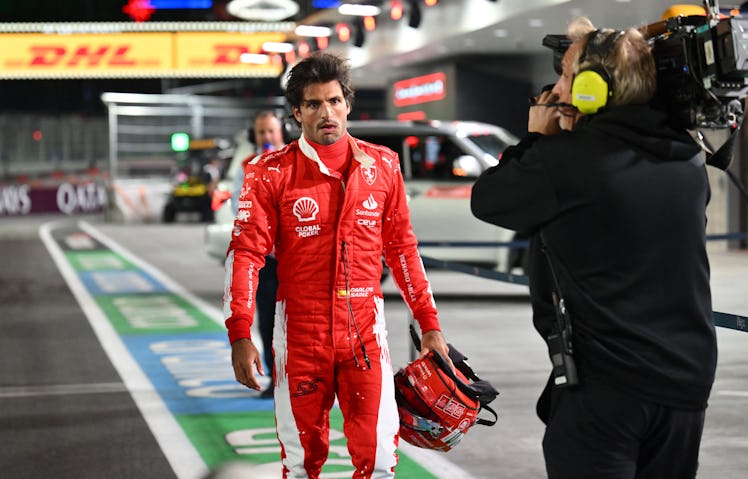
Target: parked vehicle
point(196, 176)
point(440, 161)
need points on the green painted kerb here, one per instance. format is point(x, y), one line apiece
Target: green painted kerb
point(98, 261)
point(155, 313)
point(251, 437)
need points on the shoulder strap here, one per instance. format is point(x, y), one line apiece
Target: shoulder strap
point(487, 422)
point(562, 317)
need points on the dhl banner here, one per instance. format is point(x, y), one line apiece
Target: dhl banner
point(134, 55)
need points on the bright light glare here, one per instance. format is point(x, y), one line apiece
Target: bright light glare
point(277, 47)
point(254, 58)
point(359, 10)
point(312, 31)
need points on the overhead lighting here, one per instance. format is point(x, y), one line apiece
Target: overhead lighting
point(535, 23)
point(254, 58)
point(313, 31)
point(396, 9)
point(370, 23)
point(263, 10)
point(277, 47)
point(304, 49)
point(344, 31)
point(359, 10)
point(325, 3)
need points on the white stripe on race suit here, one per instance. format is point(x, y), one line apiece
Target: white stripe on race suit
point(227, 280)
point(288, 433)
point(388, 421)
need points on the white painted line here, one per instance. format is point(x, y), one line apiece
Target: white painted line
point(432, 461)
point(728, 392)
point(62, 390)
point(176, 446)
point(210, 310)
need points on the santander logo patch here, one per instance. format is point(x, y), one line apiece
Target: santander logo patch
point(370, 203)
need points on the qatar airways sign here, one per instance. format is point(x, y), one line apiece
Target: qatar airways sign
point(414, 91)
point(67, 198)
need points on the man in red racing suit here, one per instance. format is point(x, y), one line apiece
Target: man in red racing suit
point(330, 227)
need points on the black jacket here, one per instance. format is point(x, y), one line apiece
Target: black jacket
point(621, 202)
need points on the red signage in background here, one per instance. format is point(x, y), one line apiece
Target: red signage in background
point(421, 89)
point(139, 10)
point(412, 115)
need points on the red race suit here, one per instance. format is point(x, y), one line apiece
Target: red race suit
point(330, 337)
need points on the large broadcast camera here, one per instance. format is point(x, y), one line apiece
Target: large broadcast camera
point(702, 66)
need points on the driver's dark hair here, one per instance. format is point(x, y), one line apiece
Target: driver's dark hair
point(319, 67)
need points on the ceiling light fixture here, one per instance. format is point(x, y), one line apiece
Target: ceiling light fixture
point(370, 23)
point(359, 10)
point(535, 23)
point(277, 47)
point(304, 49)
point(254, 58)
point(396, 9)
point(313, 31)
point(263, 10)
point(344, 32)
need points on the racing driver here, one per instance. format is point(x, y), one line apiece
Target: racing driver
point(331, 205)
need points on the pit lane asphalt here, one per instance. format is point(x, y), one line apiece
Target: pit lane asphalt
point(64, 411)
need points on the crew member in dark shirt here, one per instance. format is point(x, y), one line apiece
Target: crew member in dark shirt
point(615, 200)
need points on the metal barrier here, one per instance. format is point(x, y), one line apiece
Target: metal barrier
point(724, 320)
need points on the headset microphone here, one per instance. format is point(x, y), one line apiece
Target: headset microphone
point(592, 87)
point(561, 107)
point(558, 105)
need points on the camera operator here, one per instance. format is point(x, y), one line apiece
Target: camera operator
point(615, 200)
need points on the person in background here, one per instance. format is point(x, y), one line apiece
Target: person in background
point(330, 205)
point(267, 135)
point(614, 198)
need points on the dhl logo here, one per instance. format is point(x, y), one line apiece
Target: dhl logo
point(91, 56)
point(129, 54)
point(116, 56)
point(229, 54)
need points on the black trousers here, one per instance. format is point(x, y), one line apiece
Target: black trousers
point(266, 293)
point(597, 431)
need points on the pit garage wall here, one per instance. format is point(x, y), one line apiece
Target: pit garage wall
point(482, 88)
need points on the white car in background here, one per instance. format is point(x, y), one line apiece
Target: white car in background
point(440, 161)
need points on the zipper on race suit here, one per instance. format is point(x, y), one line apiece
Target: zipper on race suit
point(351, 321)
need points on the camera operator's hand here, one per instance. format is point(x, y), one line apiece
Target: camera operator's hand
point(544, 114)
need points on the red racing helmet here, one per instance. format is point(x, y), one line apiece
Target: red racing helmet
point(437, 405)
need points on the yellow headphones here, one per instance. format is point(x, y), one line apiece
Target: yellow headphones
point(593, 86)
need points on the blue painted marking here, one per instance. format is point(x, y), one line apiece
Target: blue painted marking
point(181, 4)
point(120, 282)
point(193, 374)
